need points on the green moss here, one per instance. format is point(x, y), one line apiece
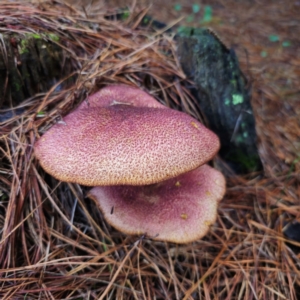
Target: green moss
point(125, 15)
point(36, 36)
point(53, 37)
point(237, 99)
point(40, 114)
point(146, 20)
point(24, 42)
point(23, 46)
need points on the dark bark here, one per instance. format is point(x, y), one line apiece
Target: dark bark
point(29, 64)
point(223, 95)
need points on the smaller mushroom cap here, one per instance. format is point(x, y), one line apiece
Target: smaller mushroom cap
point(178, 210)
point(123, 144)
point(121, 94)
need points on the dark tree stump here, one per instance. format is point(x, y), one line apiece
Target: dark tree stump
point(222, 93)
point(30, 64)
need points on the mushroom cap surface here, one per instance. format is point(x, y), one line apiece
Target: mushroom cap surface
point(123, 144)
point(120, 94)
point(178, 210)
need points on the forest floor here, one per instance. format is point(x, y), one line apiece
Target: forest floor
point(249, 253)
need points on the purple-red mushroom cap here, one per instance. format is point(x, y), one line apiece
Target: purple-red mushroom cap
point(179, 210)
point(123, 137)
point(123, 144)
point(120, 94)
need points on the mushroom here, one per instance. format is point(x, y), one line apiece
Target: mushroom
point(123, 144)
point(133, 152)
point(179, 210)
point(120, 94)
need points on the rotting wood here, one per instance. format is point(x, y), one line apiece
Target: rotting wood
point(29, 64)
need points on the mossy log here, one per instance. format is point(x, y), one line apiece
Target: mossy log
point(29, 64)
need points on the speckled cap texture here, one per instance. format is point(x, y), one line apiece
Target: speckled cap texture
point(123, 144)
point(121, 94)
